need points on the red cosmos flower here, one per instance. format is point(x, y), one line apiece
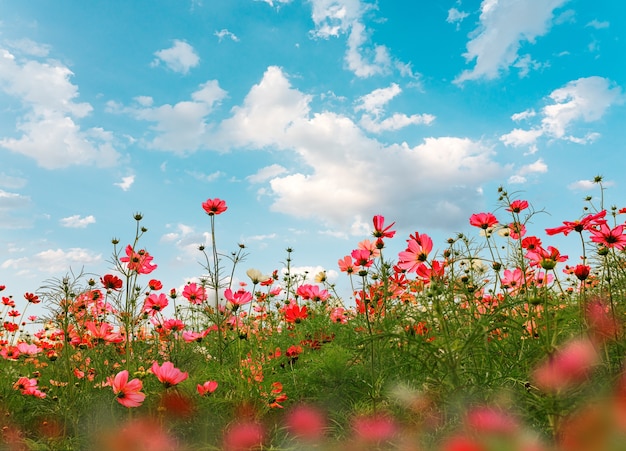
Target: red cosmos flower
point(140, 262)
point(380, 231)
point(436, 271)
point(168, 374)
point(294, 313)
point(531, 243)
point(585, 223)
point(207, 388)
point(483, 220)
point(517, 205)
point(8, 301)
point(416, 253)
point(346, 264)
point(580, 271)
point(155, 303)
point(32, 298)
point(611, 238)
point(546, 258)
point(111, 282)
point(516, 230)
point(214, 206)
point(2, 287)
point(155, 285)
point(194, 293)
point(128, 392)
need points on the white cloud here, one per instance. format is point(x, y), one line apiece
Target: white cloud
point(581, 100)
point(585, 99)
point(180, 57)
point(504, 25)
point(11, 182)
point(224, 33)
point(213, 176)
point(335, 18)
point(273, 3)
point(523, 115)
point(345, 173)
point(187, 240)
point(126, 182)
point(30, 47)
point(374, 102)
point(76, 222)
point(598, 25)
point(266, 173)
point(456, 16)
point(53, 261)
point(50, 133)
point(181, 127)
point(582, 185)
point(395, 122)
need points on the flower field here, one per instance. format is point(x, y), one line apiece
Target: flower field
point(499, 342)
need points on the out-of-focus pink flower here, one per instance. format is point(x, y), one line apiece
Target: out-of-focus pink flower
point(243, 436)
point(306, 423)
point(374, 429)
point(567, 367)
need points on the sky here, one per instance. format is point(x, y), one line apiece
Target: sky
point(307, 117)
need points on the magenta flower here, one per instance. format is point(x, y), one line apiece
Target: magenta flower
point(168, 374)
point(128, 392)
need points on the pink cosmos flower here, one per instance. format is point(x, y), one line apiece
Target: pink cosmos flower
point(128, 392)
point(155, 303)
point(214, 206)
point(362, 257)
point(194, 293)
point(168, 374)
point(140, 262)
point(483, 220)
point(207, 388)
point(585, 223)
point(380, 231)
point(237, 298)
point(611, 238)
point(312, 292)
point(416, 253)
point(346, 264)
point(517, 205)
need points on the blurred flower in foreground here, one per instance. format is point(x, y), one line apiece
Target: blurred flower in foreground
point(567, 367)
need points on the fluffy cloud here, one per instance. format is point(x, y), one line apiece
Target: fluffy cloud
point(180, 57)
point(581, 100)
point(345, 173)
point(53, 261)
point(335, 18)
point(50, 132)
point(181, 127)
point(77, 222)
point(126, 182)
point(504, 25)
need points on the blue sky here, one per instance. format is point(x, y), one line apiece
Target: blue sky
point(307, 116)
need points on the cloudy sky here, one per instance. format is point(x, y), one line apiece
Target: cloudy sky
point(307, 116)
